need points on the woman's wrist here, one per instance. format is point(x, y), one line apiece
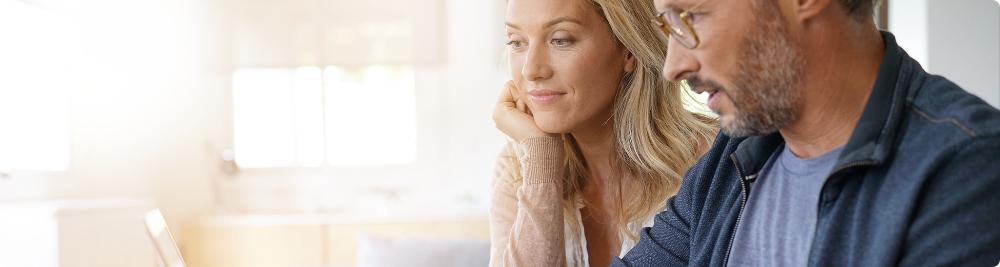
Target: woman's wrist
point(541, 159)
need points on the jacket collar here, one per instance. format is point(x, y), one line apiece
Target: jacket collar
point(874, 135)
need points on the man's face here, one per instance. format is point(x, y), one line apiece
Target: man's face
point(746, 61)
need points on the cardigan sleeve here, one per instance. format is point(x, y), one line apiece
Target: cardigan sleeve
point(526, 216)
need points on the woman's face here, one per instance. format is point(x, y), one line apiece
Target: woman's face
point(565, 61)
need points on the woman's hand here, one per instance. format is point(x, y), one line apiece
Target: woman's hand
point(512, 116)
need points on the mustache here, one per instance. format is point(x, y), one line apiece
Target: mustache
point(699, 85)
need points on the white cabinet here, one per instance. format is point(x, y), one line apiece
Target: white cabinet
point(75, 233)
point(311, 240)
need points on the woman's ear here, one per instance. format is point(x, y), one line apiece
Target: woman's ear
point(629, 62)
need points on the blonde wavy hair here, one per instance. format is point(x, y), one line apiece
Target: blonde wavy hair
point(656, 138)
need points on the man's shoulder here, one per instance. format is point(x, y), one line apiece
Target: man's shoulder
point(943, 107)
point(944, 125)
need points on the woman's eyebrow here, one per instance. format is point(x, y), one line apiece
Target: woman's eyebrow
point(550, 23)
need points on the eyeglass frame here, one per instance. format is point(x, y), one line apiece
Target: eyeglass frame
point(666, 29)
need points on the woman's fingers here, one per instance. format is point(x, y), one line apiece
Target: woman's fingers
point(519, 101)
point(508, 94)
point(505, 106)
point(512, 115)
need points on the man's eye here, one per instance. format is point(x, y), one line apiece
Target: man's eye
point(693, 17)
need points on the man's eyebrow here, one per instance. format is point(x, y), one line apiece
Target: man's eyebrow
point(673, 5)
point(661, 6)
point(550, 23)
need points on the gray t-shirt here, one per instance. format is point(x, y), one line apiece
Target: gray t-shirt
point(780, 215)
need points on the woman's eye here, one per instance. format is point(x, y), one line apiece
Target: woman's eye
point(561, 42)
point(515, 44)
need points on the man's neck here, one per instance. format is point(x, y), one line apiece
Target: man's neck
point(840, 74)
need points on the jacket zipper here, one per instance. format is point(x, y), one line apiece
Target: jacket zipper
point(743, 202)
point(819, 206)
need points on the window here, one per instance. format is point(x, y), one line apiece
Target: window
point(331, 116)
point(320, 83)
point(34, 104)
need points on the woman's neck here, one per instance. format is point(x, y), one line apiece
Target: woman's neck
point(600, 190)
point(595, 145)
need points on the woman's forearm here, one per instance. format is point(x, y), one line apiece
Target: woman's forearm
point(526, 216)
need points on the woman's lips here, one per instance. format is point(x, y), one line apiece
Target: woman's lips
point(543, 96)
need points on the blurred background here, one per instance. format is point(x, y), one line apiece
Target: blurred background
point(293, 132)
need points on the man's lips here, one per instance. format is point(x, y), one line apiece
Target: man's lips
point(698, 86)
point(713, 100)
point(704, 89)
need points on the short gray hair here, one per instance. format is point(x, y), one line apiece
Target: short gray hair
point(860, 8)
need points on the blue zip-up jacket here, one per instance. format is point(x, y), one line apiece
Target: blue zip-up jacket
point(917, 184)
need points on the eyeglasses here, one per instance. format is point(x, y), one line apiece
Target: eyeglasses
point(678, 26)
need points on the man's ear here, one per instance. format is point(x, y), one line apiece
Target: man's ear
point(808, 9)
point(629, 62)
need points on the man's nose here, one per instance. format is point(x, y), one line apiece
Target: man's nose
point(679, 63)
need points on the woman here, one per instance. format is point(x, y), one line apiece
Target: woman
point(599, 139)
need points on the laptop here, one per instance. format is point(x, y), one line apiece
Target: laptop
point(166, 248)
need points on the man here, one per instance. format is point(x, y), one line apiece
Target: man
point(837, 148)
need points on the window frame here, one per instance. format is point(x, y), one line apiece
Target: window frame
point(430, 143)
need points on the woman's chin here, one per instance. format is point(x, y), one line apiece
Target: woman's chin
point(552, 125)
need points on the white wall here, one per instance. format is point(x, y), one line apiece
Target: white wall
point(959, 40)
point(150, 111)
point(145, 84)
point(473, 78)
point(965, 45)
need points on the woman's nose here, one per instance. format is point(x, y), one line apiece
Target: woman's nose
point(536, 65)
